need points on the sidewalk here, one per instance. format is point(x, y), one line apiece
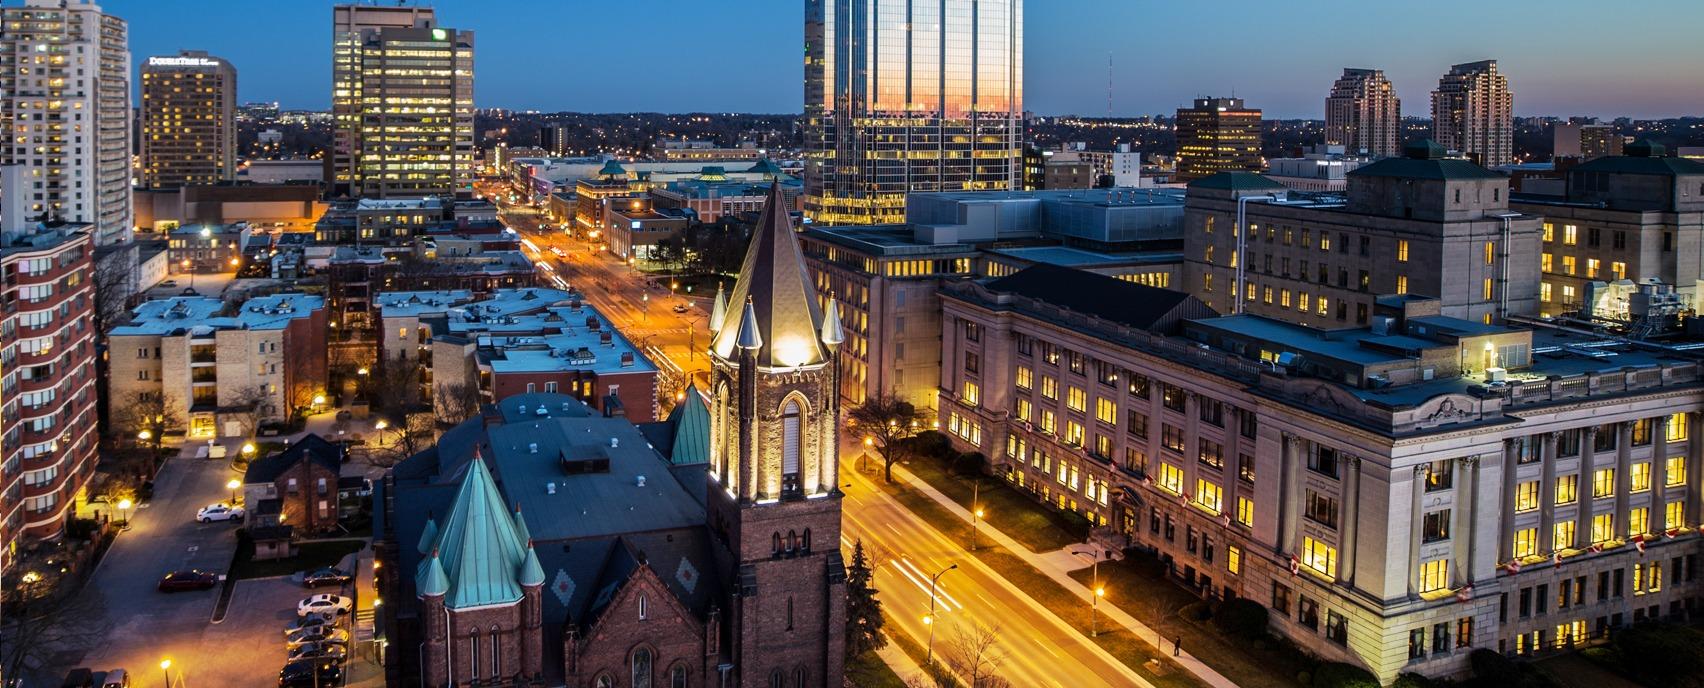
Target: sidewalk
point(1057, 566)
point(902, 664)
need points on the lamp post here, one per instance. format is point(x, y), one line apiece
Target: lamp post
point(1099, 591)
point(166, 668)
point(379, 427)
point(929, 620)
point(976, 511)
point(124, 513)
point(233, 485)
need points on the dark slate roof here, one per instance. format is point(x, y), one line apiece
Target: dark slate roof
point(313, 447)
point(1425, 160)
point(1641, 164)
point(1111, 298)
point(1236, 181)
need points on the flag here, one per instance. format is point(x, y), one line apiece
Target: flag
point(1295, 565)
point(1465, 594)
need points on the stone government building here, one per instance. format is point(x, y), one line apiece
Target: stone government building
point(547, 543)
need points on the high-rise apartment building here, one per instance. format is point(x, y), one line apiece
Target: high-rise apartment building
point(189, 130)
point(1217, 135)
point(1473, 113)
point(903, 97)
point(402, 100)
point(1363, 114)
point(1586, 141)
point(65, 105)
point(47, 430)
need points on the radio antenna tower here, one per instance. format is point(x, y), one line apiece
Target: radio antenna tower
point(1109, 85)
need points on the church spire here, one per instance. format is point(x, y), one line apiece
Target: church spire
point(778, 293)
point(718, 310)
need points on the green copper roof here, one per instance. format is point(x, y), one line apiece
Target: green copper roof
point(1236, 181)
point(612, 169)
point(427, 535)
point(691, 420)
point(531, 573)
point(521, 525)
point(479, 545)
point(1642, 157)
point(765, 166)
point(432, 581)
point(1425, 160)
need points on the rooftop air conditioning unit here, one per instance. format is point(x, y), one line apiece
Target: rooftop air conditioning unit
point(1496, 374)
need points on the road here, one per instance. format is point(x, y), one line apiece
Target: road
point(1037, 649)
point(642, 309)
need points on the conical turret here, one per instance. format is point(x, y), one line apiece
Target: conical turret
point(778, 295)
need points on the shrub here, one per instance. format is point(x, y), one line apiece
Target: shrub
point(1662, 654)
point(80, 528)
point(970, 463)
point(930, 444)
point(1340, 675)
point(1413, 680)
point(1196, 611)
point(1493, 667)
point(1242, 618)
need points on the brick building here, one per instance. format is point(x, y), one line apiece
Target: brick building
point(1399, 495)
point(303, 478)
point(47, 328)
point(622, 564)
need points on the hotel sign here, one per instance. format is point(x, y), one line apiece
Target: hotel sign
point(182, 62)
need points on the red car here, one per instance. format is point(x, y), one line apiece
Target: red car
point(188, 580)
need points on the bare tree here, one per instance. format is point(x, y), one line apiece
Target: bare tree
point(248, 408)
point(145, 416)
point(974, 654)
point(43, 620)
point(396, 386)
point(887, 420)
point(414, 434)
point(456, 402)
point(114, 282)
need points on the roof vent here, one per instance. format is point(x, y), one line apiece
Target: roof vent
point(532, 448)
point(641, 481)
point(541, 411)
point(614, 442)
point(627, 359)
point(550, 488)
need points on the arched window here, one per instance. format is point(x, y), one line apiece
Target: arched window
point(473, 653)
point(792, 541)
point(604, 681)
point(789, 613)
point(790, 417)
point(807, 542)
point(776, 680)
point(677, 677)
point(799, 677)
point(641, 668)
point(496, 653)
point(777, 545)
point(644, 607)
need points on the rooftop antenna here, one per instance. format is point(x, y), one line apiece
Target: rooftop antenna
point(1109, 85)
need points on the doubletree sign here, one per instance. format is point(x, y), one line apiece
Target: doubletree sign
point(439, 34)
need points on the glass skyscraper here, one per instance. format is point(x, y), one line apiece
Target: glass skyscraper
point(909, 95)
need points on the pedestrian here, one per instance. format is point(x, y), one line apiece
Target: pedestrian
point(1177, 645)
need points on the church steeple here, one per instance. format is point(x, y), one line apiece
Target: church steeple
point(774, 284)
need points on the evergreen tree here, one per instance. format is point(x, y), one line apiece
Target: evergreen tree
point(863, 610)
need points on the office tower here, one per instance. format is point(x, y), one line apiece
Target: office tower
point(189, 132)
point(1586, 141)
point(1217, 135)
point(553, 138)
point(1418, 225)
point(402, 100)
point(903, 97)
point(65, 67)
point(50, 439)
point(1473, 113)
point(1363, 114)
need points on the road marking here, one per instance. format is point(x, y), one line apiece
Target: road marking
point(947, 602)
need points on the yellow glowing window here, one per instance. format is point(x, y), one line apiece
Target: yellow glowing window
point(1677, 428)
point(1641, 475)
point(1434, 575)
point(1319, 556)
point(1245, 511)
point(1562, 534)
point(1638, 520)
point(1603, 482)
point(1171, 478)
point(1603, 527)
point(1526, 542)
point(1402, 251)
point(1233, 559)
point(1675, 475)
point(1209, 496)
point(1526, 496)
point(1025, 377)
point(1567, 489)
point(1675, 513)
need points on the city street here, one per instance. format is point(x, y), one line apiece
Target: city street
point(1037, 648)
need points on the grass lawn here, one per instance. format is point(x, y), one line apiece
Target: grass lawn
point(1122, 644)
point(869, 671)
point(1155, 601)
point(1012, 512)
point(309, 556)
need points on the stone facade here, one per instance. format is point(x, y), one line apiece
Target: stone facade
point(1395, 529)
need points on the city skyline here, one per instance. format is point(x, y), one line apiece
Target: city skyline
point(1550, 63)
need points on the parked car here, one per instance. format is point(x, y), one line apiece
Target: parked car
point(559, 252)
point(302, 674)
point(322, 604)
point(681, 308)
point(219, 511)
point(169, 283)
point(306, 622)
point(320, 651)
point(79, 677)
point(325, 576)
point(116, 678)
point(324, 634)
point(192, 579)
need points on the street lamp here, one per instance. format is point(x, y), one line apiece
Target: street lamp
point(233, 485)
point(929, 659)
point(144, 435)
point(124, 512)
point(1099, 590)
point(976, 516)
point(166, 668)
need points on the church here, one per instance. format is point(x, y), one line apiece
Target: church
point(545, 543)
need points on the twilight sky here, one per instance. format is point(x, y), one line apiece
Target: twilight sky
point(1563, 57)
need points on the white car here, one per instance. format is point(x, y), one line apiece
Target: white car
point(324, 604)
point(219, 512)
point(559, 252)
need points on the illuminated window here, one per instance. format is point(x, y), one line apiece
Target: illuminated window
point(1075, 398)
point(1619, 268)
point(1434, 575)
point(1568, 265)
point(1106, 411)
point(1603, 527)
point(1641, 474)
point(971, 393)
point(1171, 478)
point(1638, 520)
point(1025, 377)
point(1526, 496)
point(1675, 512)
point(1562, 534)
point(1049, 421)
point(1245, 511)
point(1049, 388)
point(1567, 489)
point(1603, 482)
point(1073, 433)
point(1490, 252)
point(1544, 292)
point(1487, 290)
point(1024, 410)
point(1233, 559)
point(1402, 284)
point(1526, 542)
point(1570, 235)
point(1324, 305)
point(1402, 250)
point(1319, 556)
point(1677, 428)
point(1549, 232)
